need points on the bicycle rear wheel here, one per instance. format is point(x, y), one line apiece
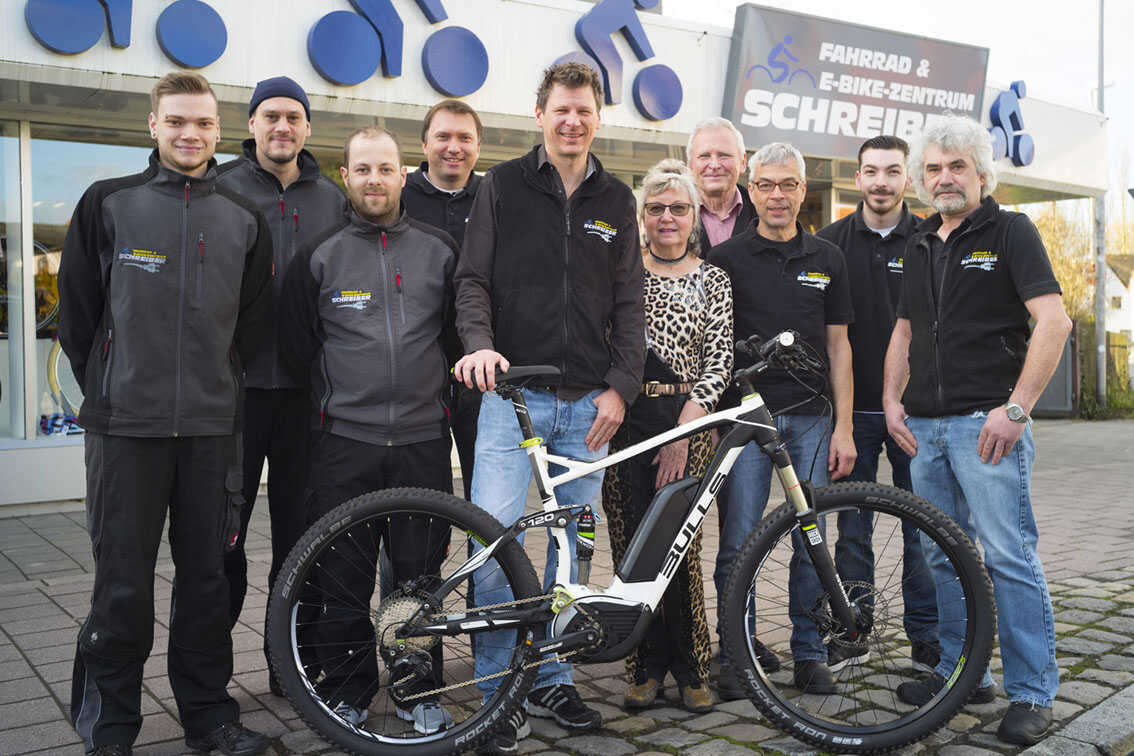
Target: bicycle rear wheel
point(863, 713)
point(334, 614)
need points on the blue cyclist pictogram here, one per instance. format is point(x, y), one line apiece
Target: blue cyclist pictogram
point(777, 69)
point(347, 48)
point(1008, 139)
point(656, 90)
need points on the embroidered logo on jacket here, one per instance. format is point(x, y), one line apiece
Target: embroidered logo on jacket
point(601, 229)
point(354, 299)
point(896, 264)
point(145, 259)
point(980, 261)
point(814, 279)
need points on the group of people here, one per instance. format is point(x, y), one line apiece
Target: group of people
point(221, 316)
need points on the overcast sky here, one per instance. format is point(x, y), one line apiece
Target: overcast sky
point(1052, 46)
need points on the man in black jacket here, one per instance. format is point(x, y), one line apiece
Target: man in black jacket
point(873, 240)
point(715, 155)
point(285, 183)
point(364, 308)
point(974, 274)
point(550, 273)
point(441, 194)
point(165, 284)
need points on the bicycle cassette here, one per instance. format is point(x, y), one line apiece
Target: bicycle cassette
point(393, 614)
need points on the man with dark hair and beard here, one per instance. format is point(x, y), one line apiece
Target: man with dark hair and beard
point(283, 180)
point(873, 240)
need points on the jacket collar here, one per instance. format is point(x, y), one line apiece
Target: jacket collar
point(169, 181)
point(907, 224)
point(982, 216)
point(419, 179)
point(368, 228)
point(536, 163)
point(807, 244)
point(308, 165)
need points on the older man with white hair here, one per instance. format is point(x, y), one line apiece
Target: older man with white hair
point(715, 156)
point(785, 278)
point(971, 372)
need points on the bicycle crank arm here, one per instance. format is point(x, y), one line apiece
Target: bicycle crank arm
point(460, 624)
point(562, 643)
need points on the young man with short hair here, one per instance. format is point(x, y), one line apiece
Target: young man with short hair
point(873, 240)
point(165, 286)
point(550, 273)
point(300, 203)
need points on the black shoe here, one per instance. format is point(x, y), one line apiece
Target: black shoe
point(813, 676)
point(841, 654)
point(924, 656)
point(920, 692)
point(507, 739)
point(114, 749)
point(562, 703)
point(728, 686)
point(766, 656)
point(1025, 723)
point(231, 739)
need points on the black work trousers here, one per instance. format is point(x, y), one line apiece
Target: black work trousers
point(276, 423)
point(342, 469)
point(131, 484)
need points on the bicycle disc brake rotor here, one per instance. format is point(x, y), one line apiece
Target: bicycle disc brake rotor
point(392, 615)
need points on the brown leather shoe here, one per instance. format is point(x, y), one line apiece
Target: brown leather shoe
point(697, 698)
point(641, 695)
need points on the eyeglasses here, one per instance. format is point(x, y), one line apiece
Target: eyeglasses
point(787, 186)
point(677, 209)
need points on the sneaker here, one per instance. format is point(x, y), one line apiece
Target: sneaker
point(813, 676)
point(1025, 723)
point(114, 749)
point(642, 695)
point(728, 686)
point(841, 654)
point(697, 698)
point(924, 656)
point(562, 703)
point(766, 656)
point(352, 715)
point(921, 692)
point(507, 739)
point(428, 717)
point(231, 739)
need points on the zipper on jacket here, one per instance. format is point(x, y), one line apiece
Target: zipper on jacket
point(401, 296)
point(326, 398)
point(200, 261)
point(389, 334)
point(295, 217)
point(181, 273)
point(106, 362)
point(275, 252)
point(566, 283)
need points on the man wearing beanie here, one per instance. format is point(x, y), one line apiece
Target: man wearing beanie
point(283, 180)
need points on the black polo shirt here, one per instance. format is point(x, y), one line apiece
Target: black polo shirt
point(441, 209)
point(874, 270)
point(799, 285)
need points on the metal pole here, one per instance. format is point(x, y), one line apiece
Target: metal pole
point(1100, 254)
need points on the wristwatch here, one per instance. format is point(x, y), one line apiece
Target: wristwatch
point(1016, 413)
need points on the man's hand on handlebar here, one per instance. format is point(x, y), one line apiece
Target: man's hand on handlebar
point(478, 370)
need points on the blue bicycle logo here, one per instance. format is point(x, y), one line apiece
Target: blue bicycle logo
point(777, 69)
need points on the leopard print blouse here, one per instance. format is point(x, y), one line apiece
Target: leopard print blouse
point(689, 327)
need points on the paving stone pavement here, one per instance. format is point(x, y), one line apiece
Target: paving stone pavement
point(1083, 502)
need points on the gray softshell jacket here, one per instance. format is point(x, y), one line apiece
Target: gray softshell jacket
point(363, 315)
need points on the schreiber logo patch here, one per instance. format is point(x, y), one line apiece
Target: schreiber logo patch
point(146, 259)
point(980, 261)
point(601, 229)
point(814, 279)
point(354, 299)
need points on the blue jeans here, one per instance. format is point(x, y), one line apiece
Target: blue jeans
point(501, 477)
point(743, 499)
point(854, 550)
point(992, 504)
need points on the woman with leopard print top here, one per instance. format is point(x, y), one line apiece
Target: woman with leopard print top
point(688, 307)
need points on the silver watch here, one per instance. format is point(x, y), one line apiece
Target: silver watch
point(1016, 413)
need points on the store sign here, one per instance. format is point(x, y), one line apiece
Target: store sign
point(826, 86)
point(348, 47)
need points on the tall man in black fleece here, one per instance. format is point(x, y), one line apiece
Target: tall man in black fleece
point(550, 273)
point(165, 286)
point(300, 203)
point(441, 194)
point(364, 308)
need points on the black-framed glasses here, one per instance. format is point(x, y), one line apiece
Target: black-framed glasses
point(787, 186)
point(676, 209)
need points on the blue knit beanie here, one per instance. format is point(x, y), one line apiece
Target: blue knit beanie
point(279, 86)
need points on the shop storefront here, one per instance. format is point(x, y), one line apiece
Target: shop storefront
point(75, 77)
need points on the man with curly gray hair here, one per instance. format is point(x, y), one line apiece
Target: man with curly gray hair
point(971, 372)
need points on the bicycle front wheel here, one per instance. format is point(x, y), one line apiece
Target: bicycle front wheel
point(342, 613)
point(785, 606)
